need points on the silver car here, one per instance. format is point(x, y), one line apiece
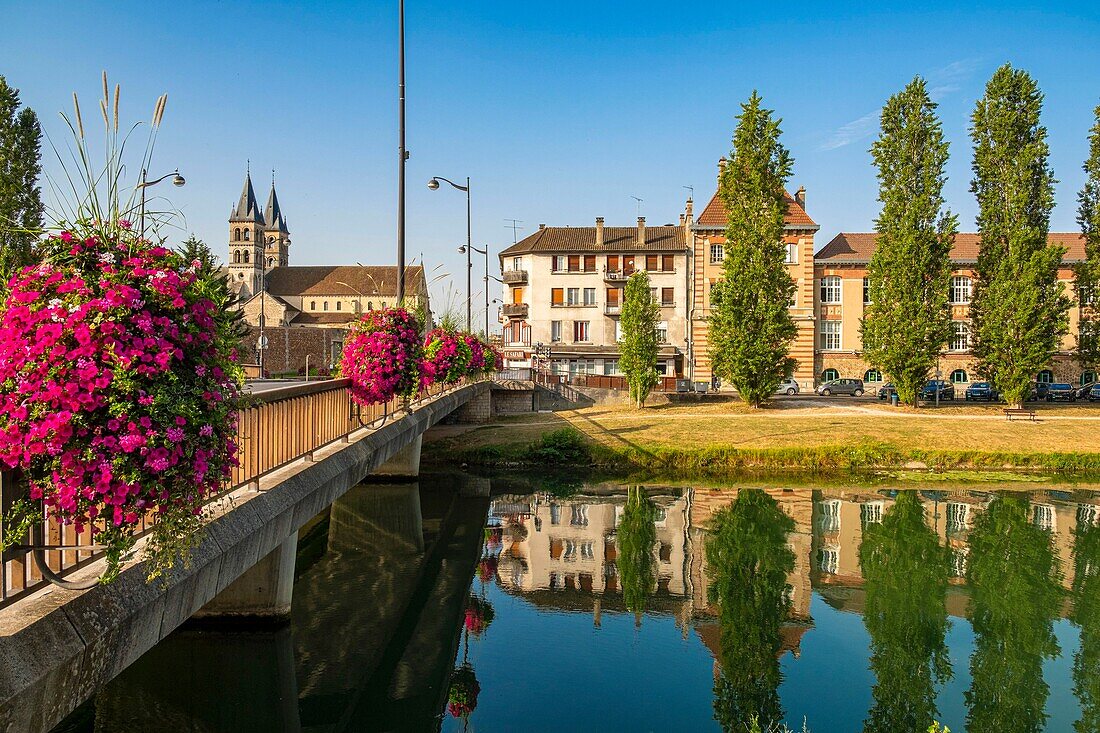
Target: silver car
point(841, 386)
point(788, 386)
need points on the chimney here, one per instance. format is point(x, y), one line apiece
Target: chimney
point(641, 230)
point(599, 231)
point(541, 227)
point(689, 212)
point(721, 166)
point(800, 196)
point(683, 219)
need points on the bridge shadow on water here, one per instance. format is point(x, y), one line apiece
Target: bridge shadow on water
point(380, 591)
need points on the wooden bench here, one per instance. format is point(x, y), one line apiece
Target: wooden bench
point(1011, 412)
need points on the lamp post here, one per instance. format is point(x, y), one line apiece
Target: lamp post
point(177, 180)
point(402, 156)
point(359, 299)
point(485, 252)
point(434, 185)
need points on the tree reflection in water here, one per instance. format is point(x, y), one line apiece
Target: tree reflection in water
point(905, 570)
point(1086, 614)
point(1013, 575)
point(635, 536)
point(749, 561)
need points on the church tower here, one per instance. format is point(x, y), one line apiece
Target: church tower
point(246, 240)
point(276, 234)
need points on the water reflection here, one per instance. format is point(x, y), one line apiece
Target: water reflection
point(1086, 614)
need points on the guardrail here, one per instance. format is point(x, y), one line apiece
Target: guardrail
point(274, 429)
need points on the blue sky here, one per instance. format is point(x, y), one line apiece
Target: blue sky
point(559, 112)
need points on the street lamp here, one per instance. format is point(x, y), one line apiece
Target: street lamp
point(177, 180)
point(463, 250)
point(434, 186)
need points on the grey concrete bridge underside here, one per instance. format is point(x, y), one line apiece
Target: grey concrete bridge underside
point(58, 647)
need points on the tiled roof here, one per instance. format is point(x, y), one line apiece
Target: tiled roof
point(714, 215)
point(343, 280)
point(857, 247)
point(615, 239)
point(334, 319)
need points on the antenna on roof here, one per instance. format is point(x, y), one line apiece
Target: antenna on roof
point(639, 204)
point(515, 227)
point(691, 192)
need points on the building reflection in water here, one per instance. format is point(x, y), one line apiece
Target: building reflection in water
point(907, 561)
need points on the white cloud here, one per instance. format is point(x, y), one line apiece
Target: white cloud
point(854, 131)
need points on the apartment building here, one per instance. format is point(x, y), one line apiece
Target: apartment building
point(563, 290)
point(841, 294)
point(709, 248)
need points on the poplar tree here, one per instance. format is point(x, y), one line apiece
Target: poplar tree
point(1019, 309)
point(20, 200)
point(909, 318)
point(751, 328)
point(638, 346)
point(1088, 272)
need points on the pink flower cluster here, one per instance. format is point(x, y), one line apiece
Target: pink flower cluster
point(446, 357)
point(382, 356)
point(117, 388)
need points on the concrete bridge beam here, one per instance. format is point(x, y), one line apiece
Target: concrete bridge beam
point(263, 593)
point(406, 463)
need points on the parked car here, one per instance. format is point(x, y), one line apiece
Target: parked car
point(1082, 392)
point(981, 391)
point(1061, 392)
point(946, 390)
point(789, 386)
point(1039, 391)
point(1094, 393)
point(853, 387)
point(887, 390)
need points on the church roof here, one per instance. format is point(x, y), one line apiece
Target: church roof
point(273, 215)
point(248, 209)
point(343, 280)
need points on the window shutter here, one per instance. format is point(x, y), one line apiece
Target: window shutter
point(557, 296)
point(590, 263)
point(667, 263)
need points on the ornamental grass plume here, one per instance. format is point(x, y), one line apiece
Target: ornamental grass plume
point(118, 391)
point(382, 356)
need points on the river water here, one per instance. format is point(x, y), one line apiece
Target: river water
point(465, 604)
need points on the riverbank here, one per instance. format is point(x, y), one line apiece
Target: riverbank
point(816, 437)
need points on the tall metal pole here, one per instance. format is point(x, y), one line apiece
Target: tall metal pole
point(402, 155)
point(469, 254)
point(486, 292)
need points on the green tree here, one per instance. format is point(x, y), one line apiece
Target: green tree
point(909, 319)
point(1016, 595)
point(749, 562)
point(20, 199)
point(1019, 309)
point(1088, 272)
point(215, 283)
point(905, 569)
point(751, 328)
point(635, 536)
point(1086, 614)
point(638, 346)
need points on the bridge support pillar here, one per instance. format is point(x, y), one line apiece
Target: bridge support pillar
point(263, 593)
point(406, 463)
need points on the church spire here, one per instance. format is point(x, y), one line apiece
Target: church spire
point(273, 215)
point(248, 209)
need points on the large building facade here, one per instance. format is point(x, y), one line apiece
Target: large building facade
point(841, 294)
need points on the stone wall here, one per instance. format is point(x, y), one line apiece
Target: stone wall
point(478, 409)
point(509, 402)
point(288, 346)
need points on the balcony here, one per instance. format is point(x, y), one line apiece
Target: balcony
point(514, 277)
point(515, 310)
point(616, 276)
point(613, 309)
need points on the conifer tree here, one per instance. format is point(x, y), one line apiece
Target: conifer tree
point(1019, 309)
point(638, 346)
point(1088, 272)
point(751, 328)
point(20, 200)
point(909, 320)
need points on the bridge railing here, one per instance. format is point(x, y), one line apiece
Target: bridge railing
point(274, 429)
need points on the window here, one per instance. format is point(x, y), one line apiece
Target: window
point(580, 330)
point(557, 296)
point(667, 295)
point(830, 375)
point(651, 263)
point(628, 264)
point(792, 253)
point(1088, 515)
point(590, 263)
point(237, 256)
point(866, 291)
point(555, 331)
point(573, 296)
point(613, 263)
point(618, 331)
point(574, 263)
point(610, 367)
point(1043, 517)
point(370, 305)
point(237, 234)
point(613, 296)
point(517, 296)
point(313, 305)
point(830, 335)
point(590, 296)
point(830, 289)
point(1088, 377)
point(662, 368)
point(829, 520)
point(339, 305)
point(558, 264)
point(517, 264)
point(1045, 377)
point(958, 562)
point(828, 560)
point(653, 294)
point(872, 375)
point(662, 332)
point(555, 514)
point(667, 263)
point(870, 512)
point(325, 305)
point(578, 515)
point(270, 261)
point(960, 336)
point(960, 289)
point(958, 516)
point(959, 376)
point(246, 235)
point(717, 253)
point(246, 256)
point(1086, 296)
